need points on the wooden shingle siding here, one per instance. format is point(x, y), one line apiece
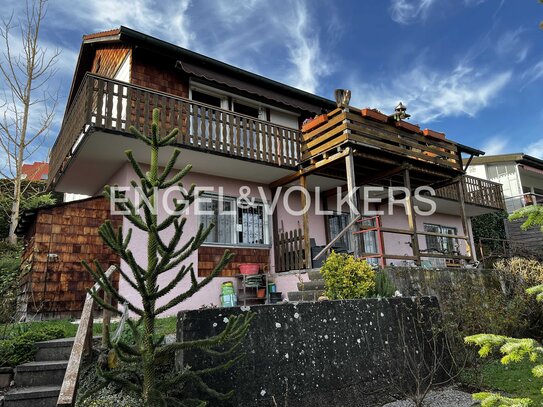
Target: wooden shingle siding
point(158, 73)
point(56, 286)
point(527, 241)
point(108, 59)
point(209, 256)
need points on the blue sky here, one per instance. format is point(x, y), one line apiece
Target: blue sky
point(470, 68)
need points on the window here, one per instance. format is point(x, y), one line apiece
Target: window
point(441, 244)
point(336, 224)
point(206, 98)
point(234, 224)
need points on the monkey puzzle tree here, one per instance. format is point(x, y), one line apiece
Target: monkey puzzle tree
point(142, 357)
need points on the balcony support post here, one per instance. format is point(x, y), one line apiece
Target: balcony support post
point(411, 217)
point(463, 216)
point(354, 202)
point(305, 221)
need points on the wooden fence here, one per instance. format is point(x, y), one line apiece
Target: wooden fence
point(289, 251)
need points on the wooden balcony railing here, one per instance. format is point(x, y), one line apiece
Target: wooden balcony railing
point(107, 104)
point(477, 191)
point(344, 125)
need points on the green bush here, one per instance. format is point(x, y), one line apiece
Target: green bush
point(346, 277)
point(20, 347)
point(384, 286)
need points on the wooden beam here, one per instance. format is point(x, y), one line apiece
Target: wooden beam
point(371, 179)
point(309, 169)
point(463, 216)
point(275, 233)
point(353, 200)
point(305, 222)
point(411, 218)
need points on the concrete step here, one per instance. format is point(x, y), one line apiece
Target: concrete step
point(41, 373)
point(311, 285)
point(314, 275)
point(56, 349)
point(311, 295)
point(38, 396)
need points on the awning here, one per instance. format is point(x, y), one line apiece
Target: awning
point(243, 85)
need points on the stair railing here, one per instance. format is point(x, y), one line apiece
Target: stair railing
point(335, 239)
point(82, 346)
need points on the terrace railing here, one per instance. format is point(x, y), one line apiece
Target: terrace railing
point(477, 191)
point(106, 104)
point(348, 125)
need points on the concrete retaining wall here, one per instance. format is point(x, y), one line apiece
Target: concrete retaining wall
point(332, 353)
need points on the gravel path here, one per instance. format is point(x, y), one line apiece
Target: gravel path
point(440, 398)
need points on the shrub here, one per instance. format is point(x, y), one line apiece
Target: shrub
point(21, 347)
point(384, 286)
point(346, 277)
point(9, 278)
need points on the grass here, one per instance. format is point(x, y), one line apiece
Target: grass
point(514, 379)
point(164, 326)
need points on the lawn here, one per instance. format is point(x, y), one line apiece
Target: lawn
point(515, 379)
point(164, 326)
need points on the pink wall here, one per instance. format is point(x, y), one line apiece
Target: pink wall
point(394, 244)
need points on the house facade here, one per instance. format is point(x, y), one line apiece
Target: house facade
point(320, 161)
point(521, 177)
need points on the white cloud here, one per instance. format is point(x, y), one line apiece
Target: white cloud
point(510, 45)
point(535, 149)
point(431, 95)
point(409, 11)
point(166, 19)
point(308, 62)
point(495, 145)
point(533, 73)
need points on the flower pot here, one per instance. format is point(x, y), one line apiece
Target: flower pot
point(314, 123)
point(249, 268)
point(261, 293)
point(433, 134)
point(408, 126)
point(374, 115)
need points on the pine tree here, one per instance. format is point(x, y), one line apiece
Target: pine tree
point(141, 358)
point(514, 350)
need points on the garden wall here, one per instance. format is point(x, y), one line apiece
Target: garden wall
point(475, 300)
point(331, 353)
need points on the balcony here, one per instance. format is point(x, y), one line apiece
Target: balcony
point(382, 137)
point(111, 106)
point(477, 191)
point(520, 201)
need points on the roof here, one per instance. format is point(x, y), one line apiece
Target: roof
point(313, 103)
point(36, 171)
point(27, 217)
point(519, 158)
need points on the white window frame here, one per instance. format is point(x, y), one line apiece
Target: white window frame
point(266, 233)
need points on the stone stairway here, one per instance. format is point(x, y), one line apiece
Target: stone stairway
point(37, 383)
point(308, 290)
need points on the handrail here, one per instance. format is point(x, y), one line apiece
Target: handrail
point(82, 344)
point(335, 239)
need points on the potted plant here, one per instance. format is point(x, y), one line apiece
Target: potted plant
point(374, 114)
point(433, 134)
point(314, 123)
point(408, 126)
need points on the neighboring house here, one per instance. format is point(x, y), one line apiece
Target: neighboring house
point(37, 171)
point(239, 129)
point(521, 176)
